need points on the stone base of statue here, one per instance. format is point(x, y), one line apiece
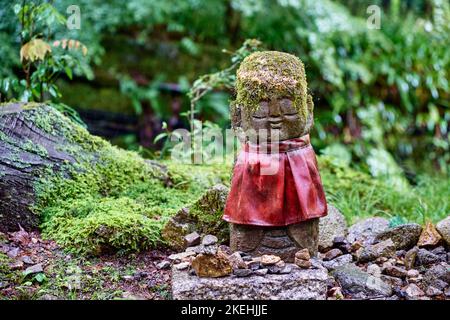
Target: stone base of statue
point(280, 241)
point(300, 284)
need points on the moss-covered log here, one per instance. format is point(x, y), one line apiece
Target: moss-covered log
point(37, 141)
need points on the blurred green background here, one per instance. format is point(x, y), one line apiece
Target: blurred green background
point(381, 96)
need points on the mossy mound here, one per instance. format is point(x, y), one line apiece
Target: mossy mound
point(268, 75)
point(90, 196)
point(203, 216)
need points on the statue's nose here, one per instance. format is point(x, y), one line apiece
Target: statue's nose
point(275, 118)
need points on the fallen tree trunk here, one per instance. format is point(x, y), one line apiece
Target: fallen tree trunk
point(36, 141)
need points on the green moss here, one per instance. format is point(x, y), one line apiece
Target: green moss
point(109, 198)
point(270, 74)
point(7, 276)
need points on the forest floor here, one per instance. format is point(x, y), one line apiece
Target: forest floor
point(34, 268)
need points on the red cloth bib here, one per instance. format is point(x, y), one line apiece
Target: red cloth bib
point(272, 188)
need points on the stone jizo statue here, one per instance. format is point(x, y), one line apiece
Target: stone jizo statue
point(274, 211)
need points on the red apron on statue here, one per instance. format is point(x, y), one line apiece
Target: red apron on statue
point(276, 187)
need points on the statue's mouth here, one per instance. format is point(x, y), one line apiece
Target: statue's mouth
point(276, 126)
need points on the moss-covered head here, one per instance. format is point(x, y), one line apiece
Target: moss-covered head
point(272, 85)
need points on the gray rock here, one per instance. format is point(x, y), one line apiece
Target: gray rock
point(366, 230)
point(447, 292)
point(331, 226)
point(37, 268)
point(288, 268)
point(177, 257)
point(354, 281)
point(371, 252)
point(163, 265)
point(182, 266)
point(410, 258)
point(439, 271)
point(393, 281)
point(332, 254)
point(425, 258)
point(27, 260)
point(374, 270)
point(395, 271)
point(404, 236)
point(242, 272)
point(432, 291)
point(192, 239)
point(413, 292)
point(443, 227)
point(209, 240)
point(338, 262)
point(298, 285)
point(260, 272)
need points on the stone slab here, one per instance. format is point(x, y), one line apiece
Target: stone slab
point(310, 284)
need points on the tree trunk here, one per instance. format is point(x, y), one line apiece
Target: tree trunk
point(36, 139)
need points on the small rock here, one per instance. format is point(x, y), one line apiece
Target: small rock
point(209, 240)
point(332, 254)
point(416, 280)
point(366, 230)
point(331, 226)
point(303, 254)
point(242, 272)
point(410, 258)
point(37, 268)
point(395, 272)
point(304, 264)
point(374, 270)
point(13, 253)
point(236, 261)
point(177, 257)
point(440, 271)
point(393, 281)
point(261, 272)
point(27, 260)
point(210, 249)
point(413, 291)
point(432, 291)
point(439, 250)
point(438, 284)
point(253, 264)
point(384, 248)
point(443, 227)
point(226, 250)
point(317, 264)
point(192, 239)
point(276, 268)
point(355, 246)
point(355, 281)
point(267, 260)
point(425, 258)
point(338, 262)
point(128, 278)
point(404, 236)
point(287, 268)
point(182, 266)
point(163, 265)
point(412, 273)
point(212, 265)
point(429, 236)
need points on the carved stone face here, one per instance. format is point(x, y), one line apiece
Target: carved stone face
point(277, 114)
point(272, 95)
